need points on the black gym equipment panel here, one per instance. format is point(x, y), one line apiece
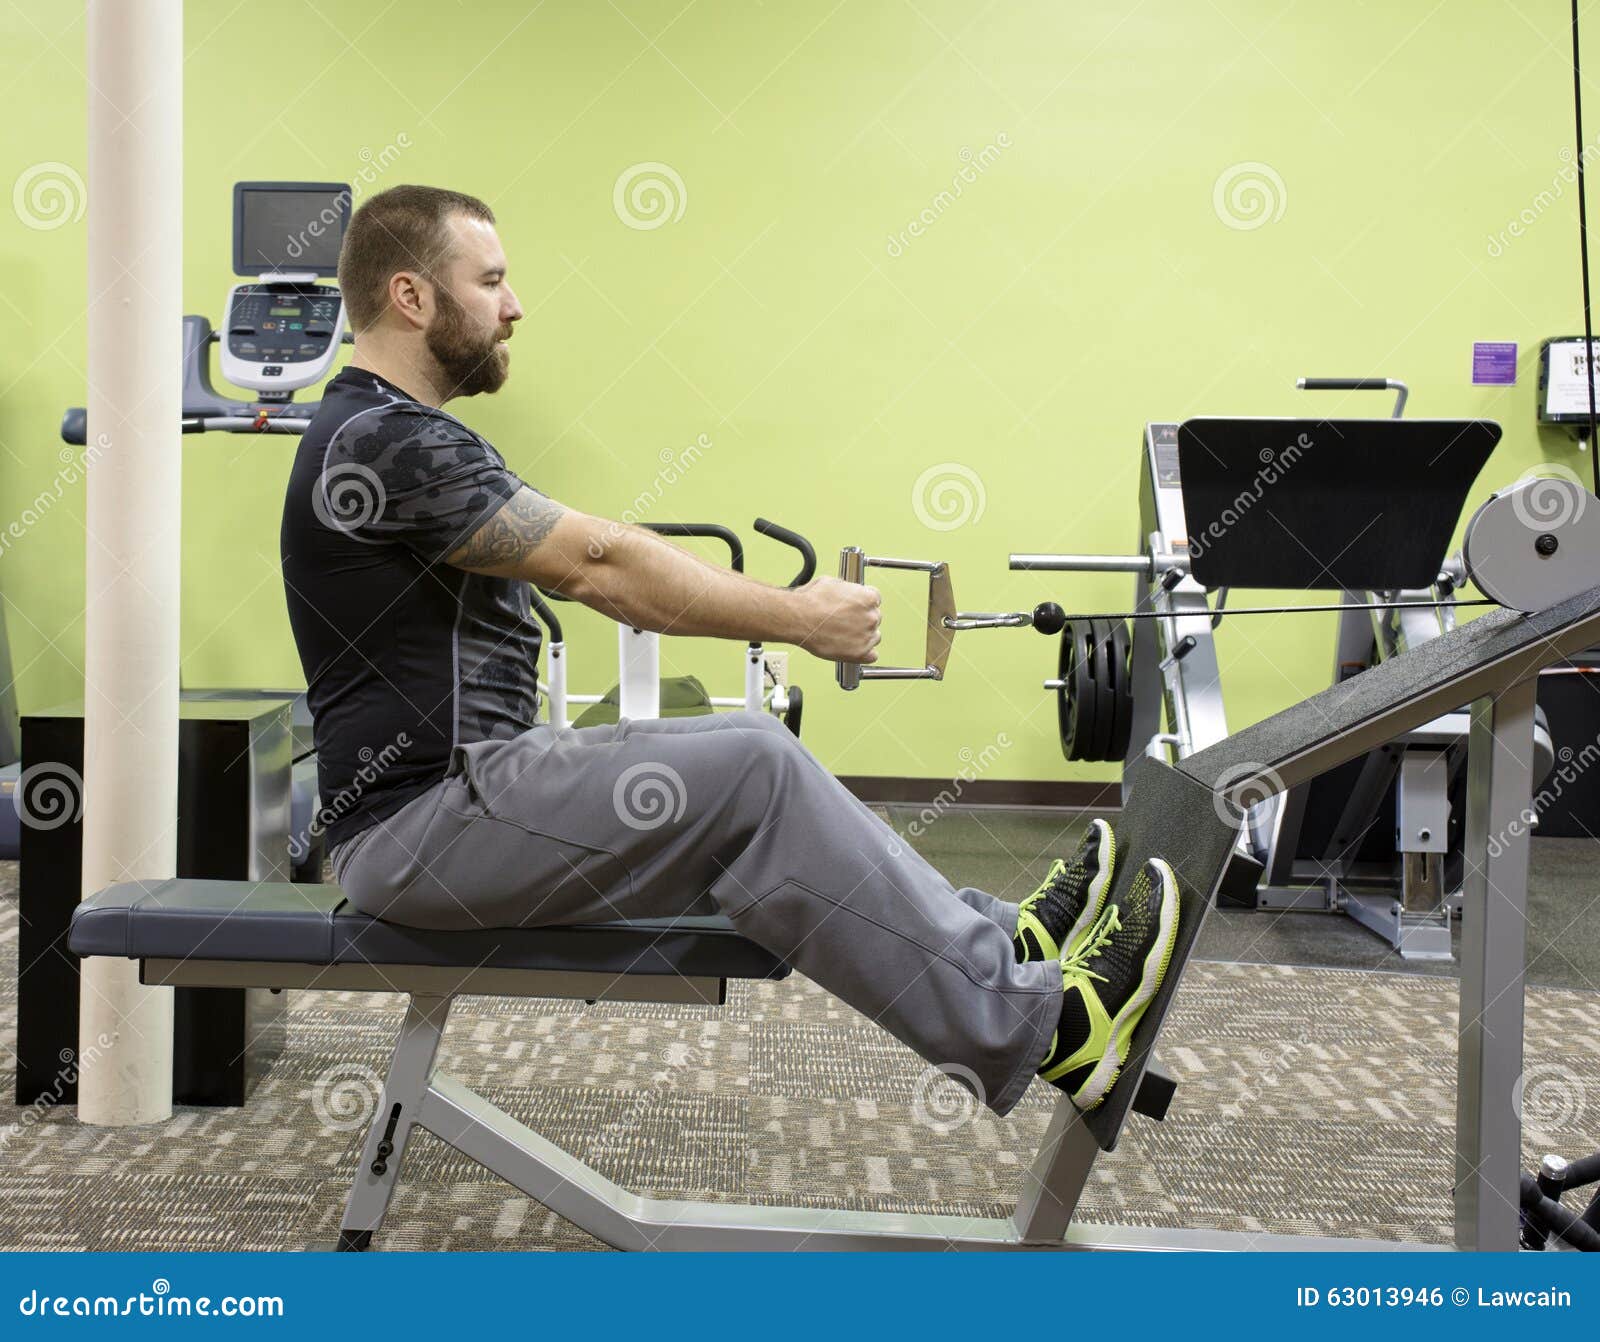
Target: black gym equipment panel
point(1343, 504)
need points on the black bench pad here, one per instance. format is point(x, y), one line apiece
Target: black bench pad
point(315, 924)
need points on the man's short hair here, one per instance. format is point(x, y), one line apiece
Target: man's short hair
point(403, 228)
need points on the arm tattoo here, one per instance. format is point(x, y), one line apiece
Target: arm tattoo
point(518, 529)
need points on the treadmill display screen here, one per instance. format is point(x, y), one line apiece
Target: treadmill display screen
point(289, 230)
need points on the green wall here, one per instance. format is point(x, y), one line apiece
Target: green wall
point(1082, 283)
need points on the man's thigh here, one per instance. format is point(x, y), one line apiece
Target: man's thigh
point(558, 824)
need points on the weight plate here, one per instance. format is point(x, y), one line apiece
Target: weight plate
point(1122, 676)
point(1089, 710)
point(1108, 687)
point(1089, 714)
point(1080, 692)
point(1105, 690)
point(1064, 708)
point(1075, 700)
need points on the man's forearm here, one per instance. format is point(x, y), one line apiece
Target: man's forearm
point(646, 582)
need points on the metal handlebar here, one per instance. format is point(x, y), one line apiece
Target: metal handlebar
point(247, 424)
point(75, 423)
point(541, 608)
point(1360, 384)
point(709, 530)
point(808, 556)
point(1081, 563)
point(944, 622)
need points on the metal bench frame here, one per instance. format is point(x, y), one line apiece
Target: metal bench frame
point(417, 1094)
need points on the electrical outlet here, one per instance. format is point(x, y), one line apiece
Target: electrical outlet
point(778, 666)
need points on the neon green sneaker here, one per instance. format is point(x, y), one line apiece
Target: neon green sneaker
point(1109, 980)
point(1054, 917)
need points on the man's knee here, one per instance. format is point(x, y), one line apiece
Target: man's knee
point(767, 748)
point(761, 722)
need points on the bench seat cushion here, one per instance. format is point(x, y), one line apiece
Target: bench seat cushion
point(314, 924)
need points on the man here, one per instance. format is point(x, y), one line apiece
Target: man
point(407, 549)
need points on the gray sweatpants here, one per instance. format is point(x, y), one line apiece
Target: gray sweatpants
point(723, 813)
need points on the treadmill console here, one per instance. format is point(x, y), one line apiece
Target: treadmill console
point(282, 330)
point(281, 335)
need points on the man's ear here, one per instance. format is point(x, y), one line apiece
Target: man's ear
point(411, 297)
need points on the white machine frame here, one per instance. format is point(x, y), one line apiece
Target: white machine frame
point(639, 680)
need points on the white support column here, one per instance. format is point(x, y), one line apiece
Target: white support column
point(131, 592)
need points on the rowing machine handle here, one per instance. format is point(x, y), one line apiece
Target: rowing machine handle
point(795, 540)
point(852, 568)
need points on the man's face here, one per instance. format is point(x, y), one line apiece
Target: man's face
point(474, 311)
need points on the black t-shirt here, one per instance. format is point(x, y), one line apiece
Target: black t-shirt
point(404, 656)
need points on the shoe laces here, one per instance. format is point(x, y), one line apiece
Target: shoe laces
point(1057, 870)
point(1095, 940)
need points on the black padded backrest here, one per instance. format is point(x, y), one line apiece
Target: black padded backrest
point(1308, 504)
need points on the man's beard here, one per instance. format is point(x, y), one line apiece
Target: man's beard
point(472, 360)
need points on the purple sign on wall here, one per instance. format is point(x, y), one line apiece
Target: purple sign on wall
point(1494, 363)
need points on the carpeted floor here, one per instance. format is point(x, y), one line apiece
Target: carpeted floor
point(1311, 1100)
